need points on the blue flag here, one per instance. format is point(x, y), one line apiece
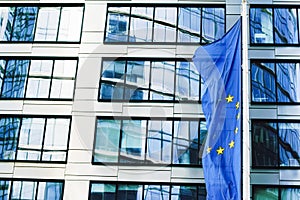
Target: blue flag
point(219, 64)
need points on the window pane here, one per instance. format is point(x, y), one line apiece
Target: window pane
point(213, 26)
point(30, 139)
point(202, 193)
point(111, 91)
point(157, 192)
point(47, 24)
point(56, 139)
point(261, 25)
point(107, 141)
point(15, 79)
point(7, 15)
point(290, 193)
point(133, 192)
point(133, 141)
point(285, 26)
point(113, 71)
point(263, 82)
point(184, 192)
point(141, 24)
point(289, 137)
point(288, 82)
point(162, 80)
point(2, 71)
point(63, 89)
point(165, 23)
point(65, 68)
point(187, 82)
point(185, 142)
point(70, 24)
point(23, 190)
point(265, 193)
point(9, 128)
point(103, 191)
point(24, 23)
point(189, 20)
point(50, 191)
point(264, 145)
point(4, 189)
point(117, 24)
point(159, 140)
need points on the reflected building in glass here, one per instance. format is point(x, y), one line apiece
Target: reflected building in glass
point(101, 99)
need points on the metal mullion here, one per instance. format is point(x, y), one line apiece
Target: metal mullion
point(58, 25)
point(176, 25)
point(129, 22)
point(51, 78)
point(43, 140)
point(120, 140)
point(13, 24)
point(278, 146)
point(150, 77)
point(26, 84)
point(36, 190)
point(172, 142)
point(201, 22)
point(124, 82)
point(18, 141)
point(161, 140)
point(4, 76)
point(174, 80)
point(146, 140)
point(153, 22)
point(198, 146)
point(35, 26)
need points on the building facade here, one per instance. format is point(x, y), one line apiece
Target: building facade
point(101, 100)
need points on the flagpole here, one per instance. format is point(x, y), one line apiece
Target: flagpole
point(246, 95)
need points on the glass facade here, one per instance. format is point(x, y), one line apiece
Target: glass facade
point(136, 79)
point(41, 24)
point(34, 139)
point(164, 23)
point(261, 192)
point(31, 189)
point(275, 81)
point(37, 79)
point(145, 191)
point(144, 141)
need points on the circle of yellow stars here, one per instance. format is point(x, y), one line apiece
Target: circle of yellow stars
point(220, 150)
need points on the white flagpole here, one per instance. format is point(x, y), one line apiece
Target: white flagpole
point(246, 95)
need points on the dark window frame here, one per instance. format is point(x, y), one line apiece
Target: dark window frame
point(43, 138)
point(177, 6)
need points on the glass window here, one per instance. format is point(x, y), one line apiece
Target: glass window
point(117, 24)
point(213, 24)
point(23, 190)
point(263, 82)
point(165, 24)
point(189, 20)
point(262, 193)
point(70, 24)
point(264, 144)
point(50, 191)
point(290, 193)
point(24, 23)
point(159, 192)
point(47, 24)
point(129, 191)
point(261, 25)
point(7, 15)
point(9, 129)
point(184, 192)
point(4, 189)
point(103, 191)
point(285, 26)
point(107, 140)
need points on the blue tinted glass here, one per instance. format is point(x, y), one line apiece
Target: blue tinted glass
point(103, 191)
point(189, 20)
point(2, 71)
point(6, 22)
point(213, 26)
point(157, 192)
point(289, 145)
point(261, 25)
point(23, 190)
point(265, 193)
point(9, 128)
point(15, 79)
point(4, 189)
point(135, 94)
point(285, 26)
point(50, 191)
point(287, 82)
point(263, 82)
point(129, 191)
point(290, 193)
point(111, 92)
point(24, 23)
point(184, 192)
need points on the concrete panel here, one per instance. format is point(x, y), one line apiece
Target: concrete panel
point(189, 173)
point(188, 108)
point(92, 37)
point(88, 74)
point(263, 113)
point(260, 2)
point(15, 48)
point(266, 52)
point(120, 50)
point(231, 20)
point(86, 94)
point(144, 175)
point(76, 190)
point(33, 172)
point(185, 51)
point(80, 156)
point(6, 168)
point(91, 170)
point(233, 8)
point(94, 17)
point(47, 109)
point(151, 51)
point(157, 111)
point(265, 178)
point(55, 51)
point(6, 105)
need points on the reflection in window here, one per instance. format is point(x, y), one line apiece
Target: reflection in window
point(148, 141)
point(129, 191)
point(54, 79)
point(102, 191)
point(261, 25)
point(4, 189)
point(164, 24)
point(260, 193)
point(6, 22)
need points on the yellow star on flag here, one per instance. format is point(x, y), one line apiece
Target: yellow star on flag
point(236, 130)
point(237, 105)
point(220, 150)
point(238, 116)
point(231, 144)
point(229, 98)
point(208, 150)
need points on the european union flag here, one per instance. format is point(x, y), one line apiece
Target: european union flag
point(219, 64)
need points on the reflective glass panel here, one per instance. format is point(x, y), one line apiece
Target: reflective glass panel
point(4, 189)
point(30, 139)
point(47, 24)
point(141, 24)
point(261, 25)
point(70, 24)
point(2, 71)
point(165, 19)
point(23, 190)
point(65, 68)
point(133, 141)
point(159, 139)
point(184, 192)
point(130, 191)
point(189, 20)
point(50, 191)
point(117, 24)
point(285, 26)
point(264, 145)
point(290, 193)
point(110, 91)
point(213, 24)
point(289, 144)
point(103, 191)
point(15, 79)
point(263, 82)
point(107, 141)
point(157, 192)
point(265, 193)
point(7, 15)
point(24, 24)
point(288, 82)
point(9, 129)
